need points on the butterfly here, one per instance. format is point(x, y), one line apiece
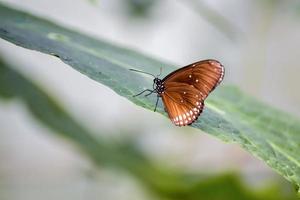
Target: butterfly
point(183, 91)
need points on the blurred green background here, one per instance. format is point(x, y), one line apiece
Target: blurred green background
point(128, 152)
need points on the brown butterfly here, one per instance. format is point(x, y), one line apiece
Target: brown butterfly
point(183, 91)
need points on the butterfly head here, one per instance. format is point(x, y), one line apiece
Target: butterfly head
point(158, 85)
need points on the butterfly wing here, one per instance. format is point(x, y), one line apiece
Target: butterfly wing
point(205, 75)
point(183, 103)
point(187, 88)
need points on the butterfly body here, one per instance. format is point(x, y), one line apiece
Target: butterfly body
point(158, 86)
point(183, 91)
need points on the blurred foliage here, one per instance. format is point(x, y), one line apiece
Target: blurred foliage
point(143, 8)
point(134, 8)
point(162, 181)
point(214, 18)
point(269, 3)
point(139, 8)
point(93, 1)
point(288, 6)
point(232, 116)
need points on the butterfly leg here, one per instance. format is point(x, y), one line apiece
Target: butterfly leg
point(147, 90)
point(153, 91)
point(156, 103)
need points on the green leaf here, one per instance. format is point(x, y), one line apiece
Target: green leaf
point(232, 116)
point(162, 181)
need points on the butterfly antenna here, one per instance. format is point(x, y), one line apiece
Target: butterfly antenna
point(160, 71)
point(135, 70)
